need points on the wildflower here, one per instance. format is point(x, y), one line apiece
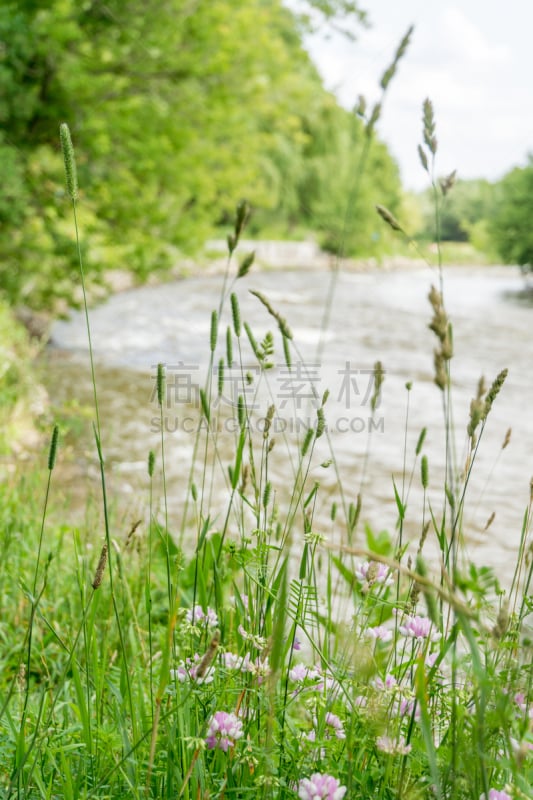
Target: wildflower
point(431, 659)
point(232, 661)
point(320, 787)
point(299, 673)
point(393, 747)
point(404, 707)
point(372, 572)
point(333, 721)
point(243, 599)
point(188, 670)
point(223, 731)
point(259, 669)
point(256, 641)
point(494, 794)
point(333, 724)
point(520, 700)
point(379, 632)
point(520, 749)
point(197, 616)
point(418, 628)
point(389, 683)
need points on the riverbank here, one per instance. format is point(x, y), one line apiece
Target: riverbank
point(303, 255)
point(271, 611)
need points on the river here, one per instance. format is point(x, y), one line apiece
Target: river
point(377, 315)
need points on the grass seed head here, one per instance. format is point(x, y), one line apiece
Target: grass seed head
point(495, 390)
point(208, 656)
point(242, 216)
point(67, 148)
point(160, 384)
point(379, 377)
point(489, 521)
point(235, 315)
point(389, 218)
point(213, 335)
point(429, 126)
point(374, 117)
point(441, 376)
point(507, 438)
point(102, 561)
point(448, 182)
point(424, 472)
point(53, 448)
point(245, 265)
point(423, 158)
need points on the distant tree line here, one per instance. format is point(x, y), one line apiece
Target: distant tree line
point(496, 218)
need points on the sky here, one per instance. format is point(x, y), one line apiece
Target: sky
point(472, 58)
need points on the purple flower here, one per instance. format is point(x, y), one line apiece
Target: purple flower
point(405, 707)
point(494, 794)
point(197, 616)
point(521, 748)
point(389, 683)
point(334, 722)
point(223, 731)
point(379, 632)
point(300, 673)
point(260, 669)
point(333, 725)
point(320, 787)
point(372, 572)
point(431, 658)
point(418, 628)
point(188, 669)
point(232, 661)
point(520, 700)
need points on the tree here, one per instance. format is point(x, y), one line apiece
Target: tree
point(341, 187)
point(177, 110)
point(511, 227)
point(467, 206)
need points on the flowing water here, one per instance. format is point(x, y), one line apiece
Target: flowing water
point(376, 316)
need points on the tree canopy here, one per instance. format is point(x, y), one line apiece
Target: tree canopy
point(177, 110)
point(511, 227)
point(464, 212)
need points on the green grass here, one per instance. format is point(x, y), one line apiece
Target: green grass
point(266, 647)
point(20, 398)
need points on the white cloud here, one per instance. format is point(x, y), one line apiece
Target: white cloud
point(471, 59)
point(465, 41)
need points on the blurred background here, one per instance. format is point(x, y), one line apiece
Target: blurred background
point(179, 108)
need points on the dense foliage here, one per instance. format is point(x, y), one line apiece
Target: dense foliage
point(511, 226)
point(465, 212)
point(177, 111)
point(21, 398)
